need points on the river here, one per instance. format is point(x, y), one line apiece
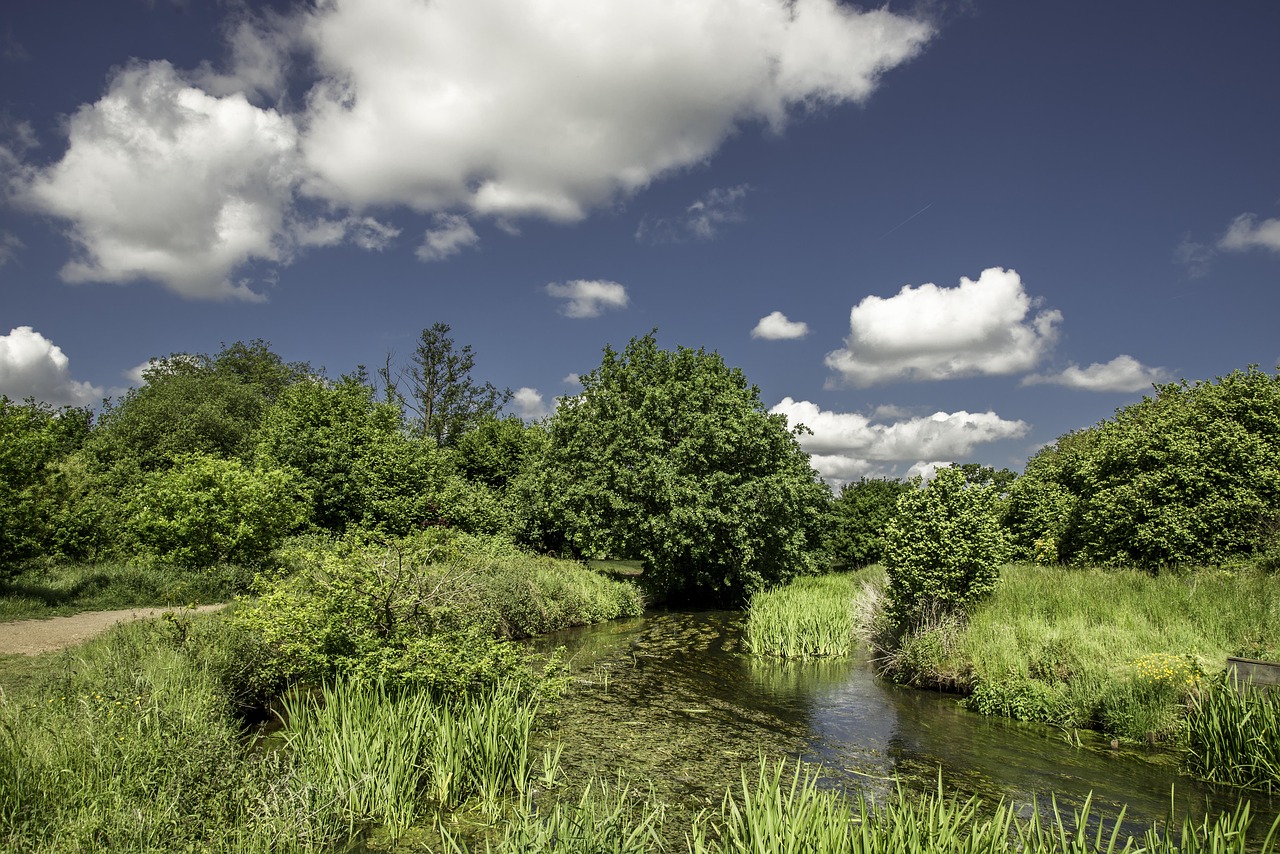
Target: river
point(671, 700)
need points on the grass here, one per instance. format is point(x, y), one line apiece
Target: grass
point(1118, 651)
point(1235, 734)
point(55, 590)
point(811, 617)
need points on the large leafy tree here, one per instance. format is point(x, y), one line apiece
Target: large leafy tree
point(859, 518)
point(669, 457)
point(1190, 476)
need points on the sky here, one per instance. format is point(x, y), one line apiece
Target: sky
point(930, 232)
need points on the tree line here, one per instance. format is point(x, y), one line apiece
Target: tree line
point(666, 456)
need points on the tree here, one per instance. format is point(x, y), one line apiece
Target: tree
point(669, 457)
point(441, 392)
point(34, 440)
point(860, 516)
point(1190, 476)
point(943, 548)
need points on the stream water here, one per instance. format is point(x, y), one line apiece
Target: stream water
point(671, 700)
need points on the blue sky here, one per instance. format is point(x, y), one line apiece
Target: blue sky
point(932, 232)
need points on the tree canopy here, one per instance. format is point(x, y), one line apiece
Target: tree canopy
point(670, 457)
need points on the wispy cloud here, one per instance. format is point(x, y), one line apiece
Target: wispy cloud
point(449, 235)
point(704, 219)
point(1246, 232)
point(587, 298)
point(1123, 373)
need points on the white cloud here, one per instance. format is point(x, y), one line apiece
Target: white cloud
point(513, 108)
point(1123, 373)
point(933, 333)
point(163, 181)
point(529, 403)
point(702, 220)
point(845, 445)
point(572, 379)
point(449, 236)
point(588, 298)
point(33, 366)
point(1245, 232)
point(260, 48)
point(364, 231)
point(776, 327)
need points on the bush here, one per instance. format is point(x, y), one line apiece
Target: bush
point(207, 510)
point(943, 548)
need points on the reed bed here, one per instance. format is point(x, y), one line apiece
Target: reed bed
point(384, 756)
point(812, 617)
point(1235, 734)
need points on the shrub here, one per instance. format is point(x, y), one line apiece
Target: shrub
point(943, 548)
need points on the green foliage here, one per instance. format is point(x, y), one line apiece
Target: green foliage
point(496, 450)
point(860, 515)
point(943, 548)
point(40, 590)
point(206, 511)
point(1190, 476)
point(670, 457)
point(34, 440)
point(807, 618)
point(1235, 734)
point(441, 393)
point(430, 611)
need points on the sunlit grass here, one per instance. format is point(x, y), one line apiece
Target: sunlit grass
point(811, 617)
point(1235, 734)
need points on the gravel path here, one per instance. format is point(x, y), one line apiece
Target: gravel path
point(32, 637)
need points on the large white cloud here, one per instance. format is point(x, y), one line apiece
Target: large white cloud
point(163, 181)
point(1123, 373)
point(505, 108)
point(932, 333)
point(1246, 232)
point(551, 107)
point(846, 445)
point(33, 366)
point(587, 298)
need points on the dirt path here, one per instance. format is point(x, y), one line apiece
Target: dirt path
point(32, 637)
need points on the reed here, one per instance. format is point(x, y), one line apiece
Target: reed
point(1235, 734)
point(381, 755)
point(811, 617)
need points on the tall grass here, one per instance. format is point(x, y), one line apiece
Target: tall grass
point(1235, 734)
point(787, 812)
point(1119, 651)
point(383, 756)
point(808, 618)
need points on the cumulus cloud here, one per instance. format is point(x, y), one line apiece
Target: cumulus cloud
point(449, 235)
point(846, 445)
point(929, 332)
point(33, 366)
point(1123, 373)
point(529, 403)
point(776, 327)
point(588, 298)
point(572, 379)
point(702, 220)
point(498, 108)
point(1246, 232)
point(510, 108)
point(166, 182)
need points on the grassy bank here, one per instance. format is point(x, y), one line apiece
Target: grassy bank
point(52, 590)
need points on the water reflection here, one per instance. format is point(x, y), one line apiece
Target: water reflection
point(671, 700)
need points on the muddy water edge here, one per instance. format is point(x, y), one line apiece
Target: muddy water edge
point(671, 701)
